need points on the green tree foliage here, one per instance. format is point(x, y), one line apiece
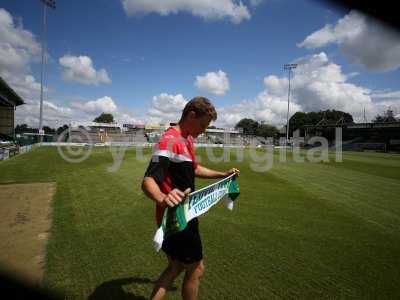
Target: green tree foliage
point(387, 116)
point(104, 118)
point(48, 130)
point(299, 119)
point(24, 128)
point(334, 116)
point(61, 129)
point(21, 128)
point(249, 126)
point(252, 127)
point(266, 130)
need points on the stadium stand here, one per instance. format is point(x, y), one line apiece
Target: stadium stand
point(97, 133)
point(380, 137)
point(9, 100)
point(395, 145)
point(87, 136)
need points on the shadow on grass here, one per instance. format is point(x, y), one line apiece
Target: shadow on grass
point(113, 289)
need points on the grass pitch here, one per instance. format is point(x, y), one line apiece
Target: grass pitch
point(300, 230)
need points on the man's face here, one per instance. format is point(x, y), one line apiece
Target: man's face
point(199, 125)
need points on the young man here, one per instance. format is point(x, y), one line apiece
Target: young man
point(168, 180)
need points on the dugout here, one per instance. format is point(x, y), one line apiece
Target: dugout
point(9, 100)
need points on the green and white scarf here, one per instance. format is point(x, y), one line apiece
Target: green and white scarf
point(197, 203)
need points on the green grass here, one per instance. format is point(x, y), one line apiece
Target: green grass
point(300, 230)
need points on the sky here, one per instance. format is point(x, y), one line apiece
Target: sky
point(142, 60)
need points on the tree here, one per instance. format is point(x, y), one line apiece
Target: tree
point(21, 128)
point(249, 126)
point(48, 130)
point(61, 129)
point(387, 116)
point(299, 119)
point(24, 128)
point(334, 116)
point(266, 130)
point(104, 118)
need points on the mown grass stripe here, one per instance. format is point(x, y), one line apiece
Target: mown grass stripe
point(300, 231)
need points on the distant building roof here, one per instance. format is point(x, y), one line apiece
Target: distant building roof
point(8, 97)
point(76, 124)
point(225, 130)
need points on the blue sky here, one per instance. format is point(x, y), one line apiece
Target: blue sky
point(155, 58)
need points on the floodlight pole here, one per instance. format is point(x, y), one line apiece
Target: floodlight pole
point(51, 4)
point(288, 67)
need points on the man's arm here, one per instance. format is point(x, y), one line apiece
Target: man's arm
point(152, 190)
point(203, 172)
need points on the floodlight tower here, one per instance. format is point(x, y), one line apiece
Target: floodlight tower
point(51, 4)
point(288, 67)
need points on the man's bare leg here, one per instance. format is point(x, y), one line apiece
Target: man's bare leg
point(167, 277)
point(190, 288)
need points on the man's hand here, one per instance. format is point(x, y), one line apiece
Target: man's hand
point(231, 171)
point(175, 197)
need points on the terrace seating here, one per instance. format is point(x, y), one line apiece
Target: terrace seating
point(381, 147)
point(8, 150)
point(77, 136)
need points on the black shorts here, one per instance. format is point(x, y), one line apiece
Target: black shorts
point(185, 246)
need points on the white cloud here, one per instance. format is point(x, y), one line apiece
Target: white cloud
point(236, 11)
point(15, 36)
point(362, 39)
point(320, 84)
point(384, 100)
point(25, 85)
point(12, 58)
point(214, 82)
point(265, 107)
point(18, 48)
point(126, 118)
point(55, 115)
point(80, 69)
point(317, 84)
point(166, 108)
point(386, 95)
point(105, 104)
